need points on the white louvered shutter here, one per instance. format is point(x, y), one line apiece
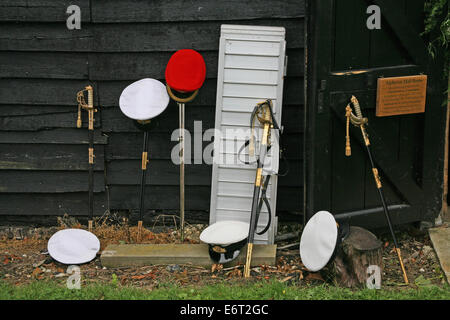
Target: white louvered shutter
point(251, 70)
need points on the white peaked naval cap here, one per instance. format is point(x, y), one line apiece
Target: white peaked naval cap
point(224, 233)
point(73, 246)
point(144, 99)
point(318, 241)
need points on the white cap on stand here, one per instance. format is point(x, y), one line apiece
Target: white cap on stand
point(144, 99)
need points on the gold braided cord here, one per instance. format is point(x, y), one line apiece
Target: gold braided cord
point(81, 99)
point(86, 106)
point(264, 116)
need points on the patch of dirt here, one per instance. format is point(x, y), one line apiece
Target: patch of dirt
point(26, 259)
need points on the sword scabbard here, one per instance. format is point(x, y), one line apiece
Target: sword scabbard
point(248, 260)
point(399, 255)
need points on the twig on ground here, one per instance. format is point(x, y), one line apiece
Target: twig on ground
point(287, 236)
point(289, 246)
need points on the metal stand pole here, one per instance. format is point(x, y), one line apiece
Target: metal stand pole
point(181, 119)
point(142, 189)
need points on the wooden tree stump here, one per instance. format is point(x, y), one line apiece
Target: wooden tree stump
point(358, 251)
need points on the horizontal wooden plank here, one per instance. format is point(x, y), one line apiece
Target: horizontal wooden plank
point(159, 197)
point(160, 172)
point(53, 204)
point(135, 66)
point(164, 172)
point(109, 66)
point(173, 36)
point(45, 96)
point(8, 110)
point(44, 37)
point(52, 136)
point(132, 37)
point(49, 157)
point(113, 120)
point(12, 181)
point(41, 10)
point(43, 65)
point(179, 10)
point(45, 121)
point(197, 198)
point(42, 91)
point(128, 146)
point(110, 92)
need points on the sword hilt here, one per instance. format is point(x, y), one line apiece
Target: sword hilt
point(89, 106)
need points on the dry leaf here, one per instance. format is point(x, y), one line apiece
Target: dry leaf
point(36, 272)
point(314, 276)
point(216, 267)
point(143, 276)
point(234, 273)
point(287, 279)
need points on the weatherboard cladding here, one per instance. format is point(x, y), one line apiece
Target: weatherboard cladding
point(43, 65)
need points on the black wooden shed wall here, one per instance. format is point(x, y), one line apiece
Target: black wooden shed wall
point(43, 157)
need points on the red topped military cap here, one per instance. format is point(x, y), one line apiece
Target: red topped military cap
point(186, 71)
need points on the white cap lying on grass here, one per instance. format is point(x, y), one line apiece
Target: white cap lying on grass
point(73, 246)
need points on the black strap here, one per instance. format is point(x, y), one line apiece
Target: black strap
point(266, 202)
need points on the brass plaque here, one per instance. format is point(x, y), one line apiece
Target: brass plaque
point(401, 95)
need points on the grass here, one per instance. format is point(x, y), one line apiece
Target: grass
point(222, 291)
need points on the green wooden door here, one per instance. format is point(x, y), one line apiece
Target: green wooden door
point(345, 58)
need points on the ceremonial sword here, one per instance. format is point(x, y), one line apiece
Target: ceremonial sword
point(89, 107)
point(263, 112)
point(359, 121)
